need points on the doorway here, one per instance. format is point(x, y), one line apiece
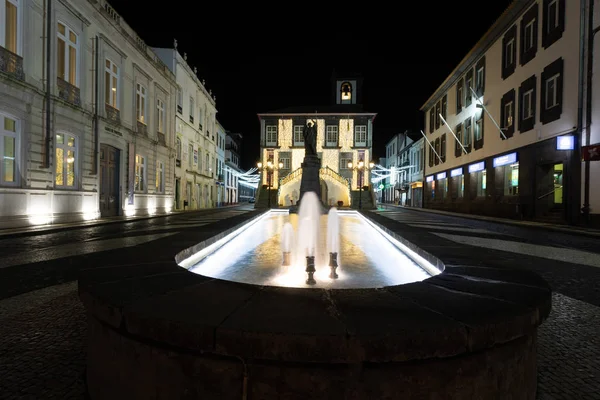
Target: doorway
point(109, 181)
point(558, 184)
point(177, 193)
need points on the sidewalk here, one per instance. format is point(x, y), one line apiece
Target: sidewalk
point(51, 228)
point(573, 230)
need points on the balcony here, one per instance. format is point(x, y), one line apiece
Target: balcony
point(161, 138)
point(11, 64)
point(67, 92)
point(142, 129)
point(112, 114)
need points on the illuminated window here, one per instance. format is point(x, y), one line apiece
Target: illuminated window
point(65, 160)
point(481, 179)
point(331, 135)
point(9, 150)
point(140, 173)
point(111, 84)
point(298, 135)
point(271, 131)
point(140, 103)
point(160, 177)
point(67, 54)
point(346, 91)
point(10, 37)
point(160, 116)
point(511, 179)
point(360, 135)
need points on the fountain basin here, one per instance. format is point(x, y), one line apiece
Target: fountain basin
point(163, 331)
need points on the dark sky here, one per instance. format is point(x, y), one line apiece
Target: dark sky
point(264, 58)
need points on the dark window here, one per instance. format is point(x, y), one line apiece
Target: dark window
point(460, 95)
point(529, 34)
point(527, 96)
point(480, 77)
point(431, 119)
point(468, 87)
point(437, 114)
point(553, 21)
point(431, 155)
point(437, 150)
point(467, 134)
point(509, 52)
point(444, 106)
point(478, 132)
point(459, 135)
point(552, 92)
point(507, 114)
point(443, 148)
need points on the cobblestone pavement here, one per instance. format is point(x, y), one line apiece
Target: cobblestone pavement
point(42, 336)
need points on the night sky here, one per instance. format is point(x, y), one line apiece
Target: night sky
point(258, 59)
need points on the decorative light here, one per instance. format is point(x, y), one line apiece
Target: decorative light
point(259, 164)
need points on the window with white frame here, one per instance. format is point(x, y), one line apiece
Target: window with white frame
point(271, 133)
point(160, 177)
point(190, 156)
point(508, 114)
point(160, 116)
point(192, 109)
point(551, 99)
point(140, 173)
point(179, 100)
point(553, 16)
point(528, 37)
point(67, 55)
point(9, 150)
point(527, 104)
point(65, 160)
point(111, 84)
point(478, 134)
point(360, 135)
point(331, 132)
point(10, 31)
point(345, 158)
point(140, 103)
point(467, 128)
point(509, 53)
point(286, 162)
point(298, 135)
point(178, 148)
point(207, 163)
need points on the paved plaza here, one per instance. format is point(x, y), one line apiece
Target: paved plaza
point(43, 325)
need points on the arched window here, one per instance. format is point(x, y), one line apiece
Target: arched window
point(9, 150)
point(346, 91)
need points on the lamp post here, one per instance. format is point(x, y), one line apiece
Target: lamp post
point(269, 168)
point(360, 168)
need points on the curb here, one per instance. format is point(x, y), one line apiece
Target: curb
point(522, 224)
point(32, 231)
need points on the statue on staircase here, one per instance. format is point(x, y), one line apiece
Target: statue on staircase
point(310, 139)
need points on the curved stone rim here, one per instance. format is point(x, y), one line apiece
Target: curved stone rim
point(463, 309)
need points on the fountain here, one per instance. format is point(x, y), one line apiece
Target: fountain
point(240, 320)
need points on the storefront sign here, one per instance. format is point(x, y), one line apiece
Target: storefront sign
point(505, 159)
point(591, 153)
point(480, 166)
point(456, 172)
point(441, 175)
point(429, 178)
point(565, 142)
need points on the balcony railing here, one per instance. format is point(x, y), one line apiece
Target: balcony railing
point(68, 92)
point(142, 129)
point(11, 64)
point(112, 114)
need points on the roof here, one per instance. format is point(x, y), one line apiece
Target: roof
point(340, 109)
point(508, 17)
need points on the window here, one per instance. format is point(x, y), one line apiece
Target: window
point(468, 88)
point(360, 135)
point(346, 91)
point(180, 101)
point(438, 110)
point(285, 161)
point(190, 156)
point(478, 133)
point(437, 150)
point(507, 114)
point(552, 92)
point(9, 150)
point(140, 103)
point(444, 106)
point(509, 53)
point(460, 94)
point(65, 162)
point(527, 101)
point(160, 177)
point(178, 145)
point(443, 148)
point(192, 109)
point(140, 173)
point(298, 135)
point(67, 50)
point(160, 116)
point(271, 135)
point(331, 135)
point(10, 34)
point(481, 179)
point(111, 84)
point(431, 119)
point(345, 158)
point(467, 133)
point(511, 179)
point(529, 34)
point(457, 145)
point(458, 184)
point(554, 21)
point(480, 77)
point(206, 164)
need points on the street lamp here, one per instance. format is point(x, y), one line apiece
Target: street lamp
point(360, 167)
point(269, 168)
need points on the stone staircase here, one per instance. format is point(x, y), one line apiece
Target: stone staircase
point(367, 202)
point(262, 198)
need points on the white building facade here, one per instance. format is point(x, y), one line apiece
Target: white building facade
point(232, 166)
point(415, 175)
point(513, 104)
point(86, 129)
point(221, 140)
point(195, 144)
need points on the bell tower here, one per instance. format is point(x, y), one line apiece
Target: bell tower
point(347, 88)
